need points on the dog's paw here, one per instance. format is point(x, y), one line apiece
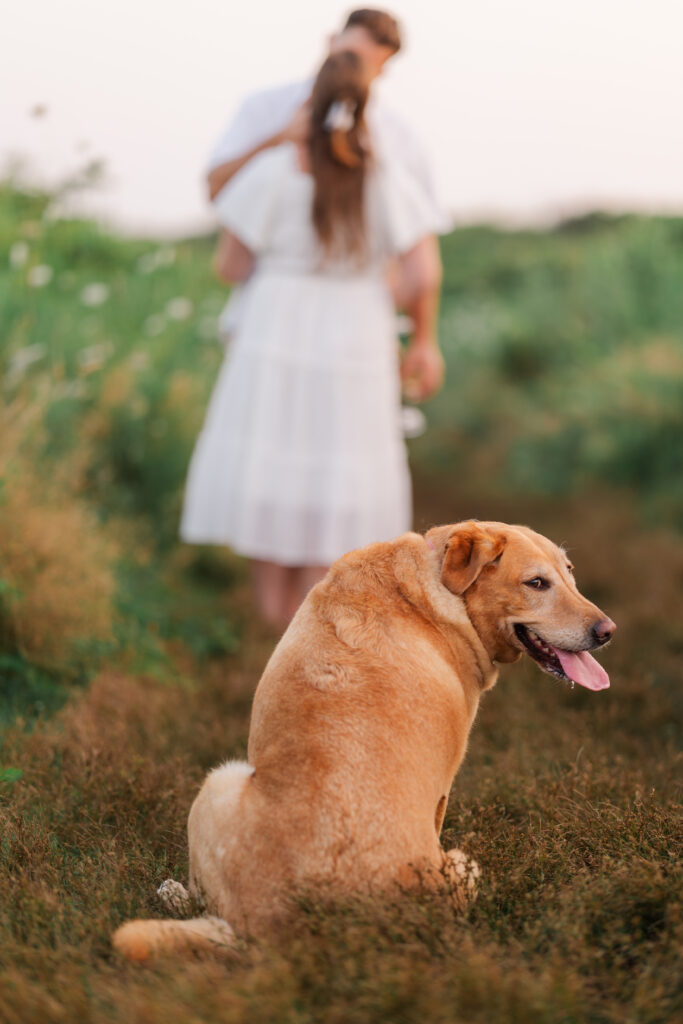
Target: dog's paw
point(464, 873)
point(174, 897)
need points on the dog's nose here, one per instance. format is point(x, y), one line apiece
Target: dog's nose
point(604, 630)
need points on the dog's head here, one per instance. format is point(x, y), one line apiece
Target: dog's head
point(521, 597)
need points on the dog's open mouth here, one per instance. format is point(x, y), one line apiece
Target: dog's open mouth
point(572, 666)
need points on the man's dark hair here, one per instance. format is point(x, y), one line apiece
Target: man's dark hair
point(383, 28)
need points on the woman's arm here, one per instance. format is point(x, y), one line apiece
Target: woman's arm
point(221, 175)
point(297, 130)
point(417, 286)
point(233, 262)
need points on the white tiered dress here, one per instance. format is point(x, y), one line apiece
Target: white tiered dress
point(301, 457)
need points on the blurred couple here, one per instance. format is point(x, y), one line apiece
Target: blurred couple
point(329, 218)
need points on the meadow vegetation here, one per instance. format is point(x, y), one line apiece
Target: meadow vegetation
point(128, 661)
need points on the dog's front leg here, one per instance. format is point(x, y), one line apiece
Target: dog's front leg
point(463, 874)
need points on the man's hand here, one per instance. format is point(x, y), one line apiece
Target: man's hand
point(299, 128)
point(422, 369)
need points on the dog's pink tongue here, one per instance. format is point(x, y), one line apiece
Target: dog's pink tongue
point(583, 669)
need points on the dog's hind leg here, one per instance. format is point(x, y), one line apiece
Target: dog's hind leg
point(215, 834)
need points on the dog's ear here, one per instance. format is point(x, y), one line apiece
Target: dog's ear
point(469, 548)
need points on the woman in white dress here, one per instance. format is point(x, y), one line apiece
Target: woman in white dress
point(301, 457)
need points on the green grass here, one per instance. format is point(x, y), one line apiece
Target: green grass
point(565, 358)
point(128, 662)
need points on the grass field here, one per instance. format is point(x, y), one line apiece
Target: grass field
point(128, 662)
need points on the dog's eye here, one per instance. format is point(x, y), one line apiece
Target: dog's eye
point(571, 569)
point(537, 583)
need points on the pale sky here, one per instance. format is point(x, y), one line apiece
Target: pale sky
point(531, 108)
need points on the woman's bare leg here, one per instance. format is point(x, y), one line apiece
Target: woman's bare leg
point(299, 581)
point(273, 584)
point(307, 578)
point(303, 578)
point(280, 589)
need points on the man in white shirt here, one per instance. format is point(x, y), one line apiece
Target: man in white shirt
point(273, 116)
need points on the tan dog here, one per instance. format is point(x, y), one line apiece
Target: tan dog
point(360, 723)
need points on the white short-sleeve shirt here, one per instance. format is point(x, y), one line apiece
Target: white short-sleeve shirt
point(263, 114)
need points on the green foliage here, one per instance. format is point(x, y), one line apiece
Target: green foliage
point(107, 356)
point(28, 690)
point(153, 611)
point(119, 347)
point(565, 352)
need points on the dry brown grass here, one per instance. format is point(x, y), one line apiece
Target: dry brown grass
point(567, 799)
point(56, 571)
point(55, 563)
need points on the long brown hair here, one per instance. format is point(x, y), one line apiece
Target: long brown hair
point(339, 154)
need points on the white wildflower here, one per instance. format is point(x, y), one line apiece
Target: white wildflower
point(93, 357)
point(147, 263)
point(21, 361)
point(18, 254)
point(155, 324)
point(95, 294)
point(179, 308)
point(55, 210)
point(207, 328)
point(138, 361)
point(69, 389)
point(39, 276)
point(164, 256)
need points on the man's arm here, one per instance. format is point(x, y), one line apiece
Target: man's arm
point(296, 131)
point(417, 290)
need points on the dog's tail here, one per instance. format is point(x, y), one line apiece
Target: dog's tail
point(140, 940)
